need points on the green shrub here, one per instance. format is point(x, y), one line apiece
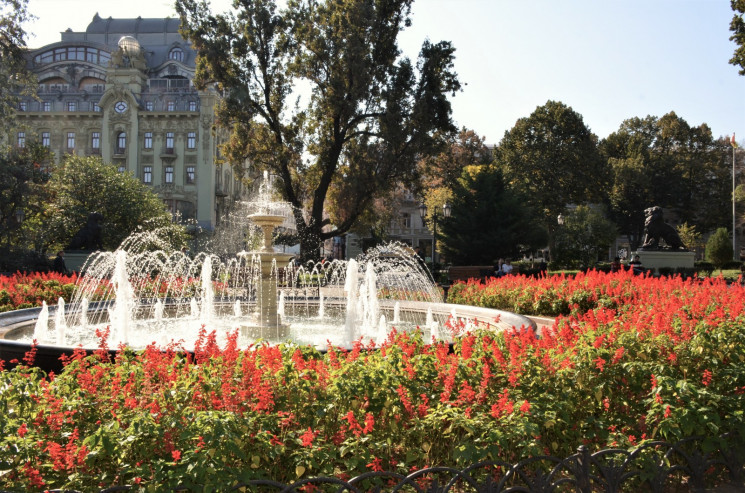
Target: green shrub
point(719, 248)
point(704, 268)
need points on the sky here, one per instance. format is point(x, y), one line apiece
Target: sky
point(609, 60)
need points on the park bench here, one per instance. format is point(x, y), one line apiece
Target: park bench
point(466, 272)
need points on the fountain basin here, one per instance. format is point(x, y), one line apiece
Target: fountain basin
point(16, 327)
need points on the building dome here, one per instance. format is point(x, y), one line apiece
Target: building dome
point(129, 45)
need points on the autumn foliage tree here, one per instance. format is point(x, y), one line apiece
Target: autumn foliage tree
point(361, 119)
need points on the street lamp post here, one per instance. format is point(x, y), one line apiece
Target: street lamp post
point(734, 220)
point(446, 210)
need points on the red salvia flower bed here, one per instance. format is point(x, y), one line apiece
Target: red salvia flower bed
point(632, 359)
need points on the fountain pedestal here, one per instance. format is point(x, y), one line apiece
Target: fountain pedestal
point(267, 318)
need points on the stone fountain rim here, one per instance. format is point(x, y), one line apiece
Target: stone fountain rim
point(9, 321)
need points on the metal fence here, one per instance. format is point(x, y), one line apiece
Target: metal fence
point(696, 464)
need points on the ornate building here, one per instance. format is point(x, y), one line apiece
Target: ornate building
point(123, 90)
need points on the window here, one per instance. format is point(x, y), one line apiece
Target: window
point(148, 140)
point(121, 169)
point(169, 174)
point(96, 140)
point(96, 108)
point(149, 105)
point(22, 106)
point(192, 106)
point(71, 140)
point(21, 142)
point(46, 106)
point(121, 142)
point(177, 54)
point(45, 139)
point(169, 142)
point(171, 105)
point(190, 174)
point(147, 174)
point(191, 140)
point(71, 105)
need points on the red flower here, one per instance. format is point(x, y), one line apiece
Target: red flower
point(599, 363)
point(353, 424)
point(275, 441)
point(307, 437)
point(376, 464)
point(176, 454)
point(668, 412)
point(369, 423)
point(22, 430)
point(525, 407)
point(706, 379)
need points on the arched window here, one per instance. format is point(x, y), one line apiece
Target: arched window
point(121, 142)
point(177, 54)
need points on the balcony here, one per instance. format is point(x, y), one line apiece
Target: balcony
point(168, 153)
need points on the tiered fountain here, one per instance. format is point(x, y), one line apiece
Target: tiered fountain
point(271, 263)
point(165, 297)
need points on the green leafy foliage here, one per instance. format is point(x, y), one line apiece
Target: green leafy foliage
point(584, 237)
point(81, 185)
point(14, 74)
point(737, 27)
point(23, 194)
point(667, 162)
point(552, 158)
point(719, 248)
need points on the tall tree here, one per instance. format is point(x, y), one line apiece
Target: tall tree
point(444, 169)
point(737, 26)
point(488, 220)
point(23, 194)
point(364, 116)
point(442, 172)
point(666, 162)
point(551, 157)
point(16, 78)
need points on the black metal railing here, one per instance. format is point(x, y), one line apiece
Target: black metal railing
point(695, 464)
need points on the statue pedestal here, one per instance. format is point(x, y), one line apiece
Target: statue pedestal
point(75, 259)
point(654, 259)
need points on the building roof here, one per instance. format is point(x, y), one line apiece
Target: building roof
point(156, 36)
point(99, 25)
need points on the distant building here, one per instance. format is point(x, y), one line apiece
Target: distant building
point(123, 90)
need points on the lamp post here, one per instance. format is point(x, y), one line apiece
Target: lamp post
point(734, 220)
point(446, 210)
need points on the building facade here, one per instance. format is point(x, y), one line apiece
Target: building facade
point(123, 90)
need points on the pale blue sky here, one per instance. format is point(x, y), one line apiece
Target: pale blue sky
point(609, 60)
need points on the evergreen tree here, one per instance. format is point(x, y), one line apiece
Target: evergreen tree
point(719, 248)
point(488, 220)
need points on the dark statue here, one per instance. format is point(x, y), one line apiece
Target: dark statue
point(655, 229)
point(89, 237)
